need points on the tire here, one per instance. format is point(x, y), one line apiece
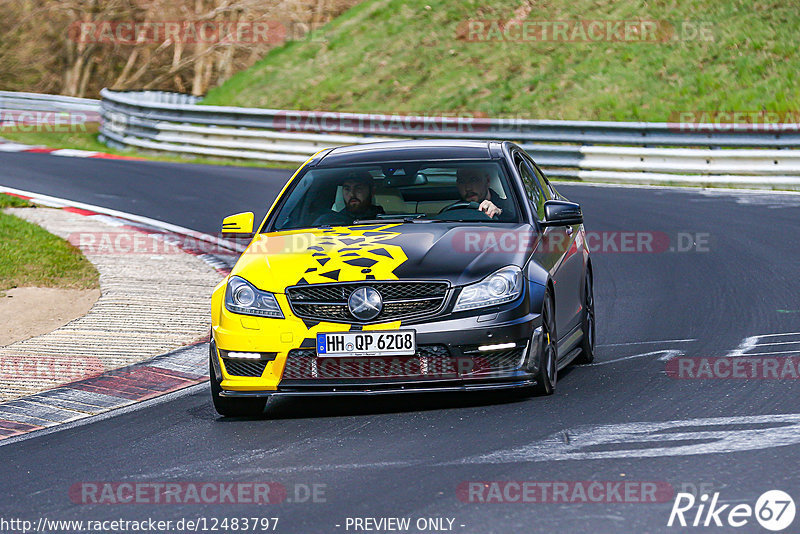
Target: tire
point(547, 375)
point(588, 324)
point(228, 406)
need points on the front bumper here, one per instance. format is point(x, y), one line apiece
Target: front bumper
point(291, 367)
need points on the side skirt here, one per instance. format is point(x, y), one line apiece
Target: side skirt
point(568, 347)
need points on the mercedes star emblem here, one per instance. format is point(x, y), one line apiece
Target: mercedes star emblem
point(365, 303)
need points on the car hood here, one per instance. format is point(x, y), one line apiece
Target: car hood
point(457, 252)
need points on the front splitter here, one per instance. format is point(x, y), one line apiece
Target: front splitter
point(381, 391)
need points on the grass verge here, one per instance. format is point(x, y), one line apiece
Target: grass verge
point(32, 257)
point(418, 56)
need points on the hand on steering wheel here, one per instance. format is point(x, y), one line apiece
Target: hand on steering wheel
point(467, 205)
point(461, 205)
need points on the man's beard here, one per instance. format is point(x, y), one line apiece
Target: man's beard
point(357, 207)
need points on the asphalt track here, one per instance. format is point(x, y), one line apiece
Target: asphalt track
point(407, 456)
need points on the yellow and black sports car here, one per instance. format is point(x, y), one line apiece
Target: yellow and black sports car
point(404, 267)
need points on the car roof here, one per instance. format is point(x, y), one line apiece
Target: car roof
point(418, 149)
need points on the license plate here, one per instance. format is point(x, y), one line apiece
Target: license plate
point(394, 343)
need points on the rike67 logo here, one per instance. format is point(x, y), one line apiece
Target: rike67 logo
point(774, 510)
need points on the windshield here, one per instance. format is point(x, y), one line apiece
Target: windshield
point(406, 192)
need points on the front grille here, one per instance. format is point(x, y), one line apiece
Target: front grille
point(401, 309)
point(237, 367)
point(429, 362)
point(329, 312)
point(407, 290)
point(317, 293)
point(487, 362)
point(328, 302)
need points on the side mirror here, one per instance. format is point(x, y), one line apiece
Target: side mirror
point(241, 223)
point(562, 213)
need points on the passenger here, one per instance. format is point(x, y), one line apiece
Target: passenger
point(358, 189)
point(473, 186)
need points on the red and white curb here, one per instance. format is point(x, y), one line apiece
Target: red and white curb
point(109, 391)
point(10, 146)
point(134, 383)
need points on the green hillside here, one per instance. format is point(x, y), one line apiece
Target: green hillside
point(413, 56)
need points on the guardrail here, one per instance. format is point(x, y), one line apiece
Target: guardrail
point(149, 106)
point(177, 123)
point(42, 102)
point(716, 154)
point(767, 168)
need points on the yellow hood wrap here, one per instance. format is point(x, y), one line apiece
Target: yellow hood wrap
point(278, 260)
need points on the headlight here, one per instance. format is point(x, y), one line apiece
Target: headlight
point(242, 297)
point(504, 285)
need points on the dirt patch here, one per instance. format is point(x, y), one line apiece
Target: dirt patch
point(33, 311)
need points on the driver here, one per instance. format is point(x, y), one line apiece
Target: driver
point(473, 186)
point(358, 188)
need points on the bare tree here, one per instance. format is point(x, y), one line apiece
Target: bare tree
point(72, 46)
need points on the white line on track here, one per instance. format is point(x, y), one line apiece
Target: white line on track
point(666, 354)
point(647, 342)
point(781, 334)
point(645, 439)
point(749, 343)
point(746, 344)
point(770, 353)
point(714, 435)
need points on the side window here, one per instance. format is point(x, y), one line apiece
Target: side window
point(532, 186)
point(549, 192)
point(527, 178)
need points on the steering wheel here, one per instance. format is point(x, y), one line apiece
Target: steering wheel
point(461, 205)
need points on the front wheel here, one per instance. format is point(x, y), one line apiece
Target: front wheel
point(547, 375)
point(587, 343)
point(227, 406)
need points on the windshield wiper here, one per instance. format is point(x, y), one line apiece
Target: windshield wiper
point(393, 220)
